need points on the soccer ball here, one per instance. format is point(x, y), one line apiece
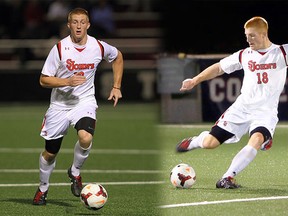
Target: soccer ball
point(182, 176)
point(93, 196)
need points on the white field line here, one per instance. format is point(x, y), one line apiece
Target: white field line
point(201, 126)
point(93, 151)
point(223, 201)
point(84, 171)
point(220, 201)
point(68, 184)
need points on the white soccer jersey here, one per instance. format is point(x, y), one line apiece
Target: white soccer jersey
point(264, 77)
point(67, 58)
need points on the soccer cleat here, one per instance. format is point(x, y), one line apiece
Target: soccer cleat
point(227, 183)
point(40, 197)
point(76, 183)
point(183, 146)
point(266, 145)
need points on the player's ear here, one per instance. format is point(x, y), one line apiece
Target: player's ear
point(68, 25)
point(88, 26)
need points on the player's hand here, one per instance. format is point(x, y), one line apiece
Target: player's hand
point(115, 95)
point(188, 84)
point(77, 79)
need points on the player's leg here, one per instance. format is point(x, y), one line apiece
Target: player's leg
point(247, 154)
point(54, 127)
point(260, 138)
point(206, 140)
point(85, 129)
point(47, 162)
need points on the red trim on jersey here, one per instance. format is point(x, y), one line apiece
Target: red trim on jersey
point(240, 56)
point(284, 53)
point(80, 49)
point(59, 50)
point(262, 53)
point(102, 48)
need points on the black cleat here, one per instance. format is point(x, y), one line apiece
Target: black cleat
point(227, 183)
point(76, 183)
point(40, 197)
point(183, 146)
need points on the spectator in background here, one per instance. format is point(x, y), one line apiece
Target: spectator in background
point(34, 18)
point(140, 5)
point(32, 14)
point(102, 20)
point(56, 16)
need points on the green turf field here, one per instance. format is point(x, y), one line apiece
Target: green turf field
point(264, 182)
point(124, 160)
point(132, 157)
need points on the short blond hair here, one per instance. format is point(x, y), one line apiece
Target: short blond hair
point(78, 11)
point(257, 22)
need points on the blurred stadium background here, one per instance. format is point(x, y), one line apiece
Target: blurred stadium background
point(151, 34)
point(30, 28)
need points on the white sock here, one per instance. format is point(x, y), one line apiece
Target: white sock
point(80, 155)
point(241, 160)
point(46, 169)
point(197, 142)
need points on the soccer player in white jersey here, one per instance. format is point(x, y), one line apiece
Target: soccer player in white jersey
point(255, 110)
point(69, 70)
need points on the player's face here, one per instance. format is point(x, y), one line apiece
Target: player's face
point(78, 26)
point(255, 38)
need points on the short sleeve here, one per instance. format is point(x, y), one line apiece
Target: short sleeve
point(231, 63)
point(52, 62)
point(110, 52)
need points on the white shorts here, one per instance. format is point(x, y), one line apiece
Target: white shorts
point(240, 123)
point(57, 122)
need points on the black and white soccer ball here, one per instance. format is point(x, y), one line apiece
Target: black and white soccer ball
point(183, 176)
point(94, 196)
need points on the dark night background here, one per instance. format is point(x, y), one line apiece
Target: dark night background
point(201, 27)
point(217, 27)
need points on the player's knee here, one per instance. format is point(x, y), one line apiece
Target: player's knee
point(256, 140)
point(260, 138)
point(49, 157)
point(210, 142)
point(85, 138)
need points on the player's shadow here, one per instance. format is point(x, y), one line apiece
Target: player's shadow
point(92, 213)
point(75, 211)
point(70, 209)
point(29, 201)
point(249, 190)
point(82, 211)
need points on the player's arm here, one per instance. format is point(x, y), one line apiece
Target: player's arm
point(117, 67)
point(55, 82)
point(49, 80)
point(207, 74)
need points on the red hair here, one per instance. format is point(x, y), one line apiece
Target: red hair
point(78, 11)
point(257, 22)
